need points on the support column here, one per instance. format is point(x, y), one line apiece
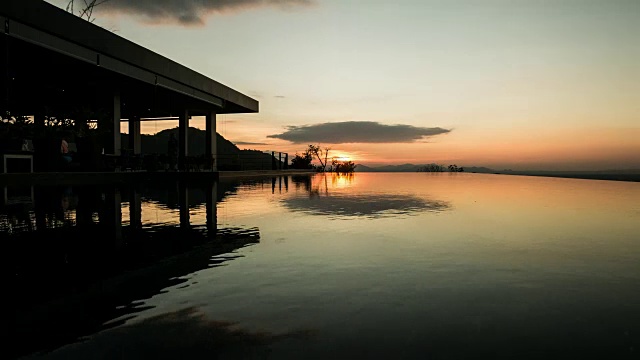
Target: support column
point(40, 211)
point(135, 138)
point(40, 157)
point(38, 121)
point(84, 213)
point(286, 161)
point(279, 161)
point(5, 87)
point(115, 143)
point(211, 146)
point(273, 160)
point(183, 130)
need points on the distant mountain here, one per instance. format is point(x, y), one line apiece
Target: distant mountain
point(389, 168)
point(617, 175)
point(620, 175)
point(364, 168)
point(230, 157)
point(480, 169)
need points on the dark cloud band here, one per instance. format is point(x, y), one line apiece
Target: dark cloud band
point(357, 132)
point(190, 12)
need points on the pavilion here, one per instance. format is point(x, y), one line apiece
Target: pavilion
point(54, 62)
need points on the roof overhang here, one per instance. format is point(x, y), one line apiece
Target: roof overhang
point(46, 26)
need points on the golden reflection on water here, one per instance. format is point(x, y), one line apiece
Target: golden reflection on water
point(528, 218)
point(497, 213)
point(483, 199)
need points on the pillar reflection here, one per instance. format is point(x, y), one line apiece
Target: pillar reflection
point(212, 209)
point(183, 204)
point(111, 216)
point(135, 209)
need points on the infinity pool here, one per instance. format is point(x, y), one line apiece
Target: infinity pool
point(373, 265)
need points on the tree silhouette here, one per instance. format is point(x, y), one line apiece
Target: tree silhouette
point(343, 167)
point(320, 153)
point(302, 161)
point(86, 10)
point(432, 168)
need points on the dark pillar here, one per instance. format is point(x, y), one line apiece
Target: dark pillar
point(84, 211)
point(183, 130)
point(4, 71)
point(279, 161)
point(135, 138)
point(42, 154)
point(114, 143)
point(38, 121)
point(211, 146)
point(286, 161)
point(273, 160)
point(212, 210)
point(41, 217)
point(111, 217)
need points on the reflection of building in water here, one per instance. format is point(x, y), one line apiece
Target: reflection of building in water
point(280, 180)
point(302, 182)
point(93, 249)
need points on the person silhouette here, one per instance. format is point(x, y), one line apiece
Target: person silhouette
point(64, 150)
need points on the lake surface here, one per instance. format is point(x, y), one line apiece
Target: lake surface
point(373, 265)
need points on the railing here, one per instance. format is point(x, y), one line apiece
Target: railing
point(225, 162)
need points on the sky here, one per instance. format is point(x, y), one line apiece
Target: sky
point(526, 85)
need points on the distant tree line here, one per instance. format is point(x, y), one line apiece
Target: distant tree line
point(440, 168)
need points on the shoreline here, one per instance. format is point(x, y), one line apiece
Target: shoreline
point(578, 175)
point(123, 177)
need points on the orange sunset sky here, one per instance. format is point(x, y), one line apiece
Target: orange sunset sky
point(505, 84)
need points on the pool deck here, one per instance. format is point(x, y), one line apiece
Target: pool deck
point(123, 177)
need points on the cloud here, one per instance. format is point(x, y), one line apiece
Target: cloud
point(191, 12)
point(357, 132)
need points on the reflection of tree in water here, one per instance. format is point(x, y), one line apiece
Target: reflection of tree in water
point(300, 181)
point(186, 334)
point(337, 179)
point(345, 204)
